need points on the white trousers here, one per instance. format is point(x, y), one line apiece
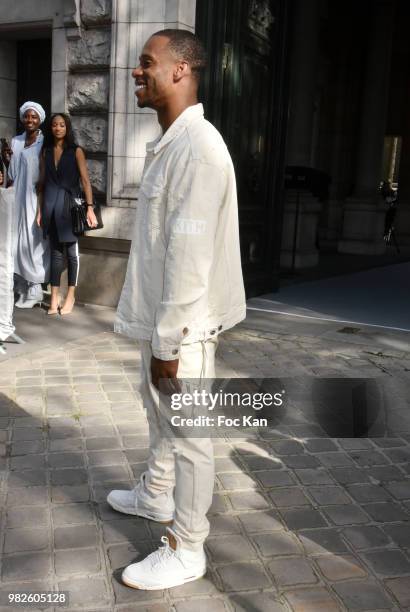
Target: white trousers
point(184, 465)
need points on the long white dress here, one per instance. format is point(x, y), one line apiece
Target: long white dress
point(32, 252)
point(6, 262)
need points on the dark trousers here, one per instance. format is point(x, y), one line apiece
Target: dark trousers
point(57, 258)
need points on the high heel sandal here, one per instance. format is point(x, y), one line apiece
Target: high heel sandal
point(67, 312)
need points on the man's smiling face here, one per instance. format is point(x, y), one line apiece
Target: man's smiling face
point(153, 76)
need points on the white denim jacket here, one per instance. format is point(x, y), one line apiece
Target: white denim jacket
point(184, 278)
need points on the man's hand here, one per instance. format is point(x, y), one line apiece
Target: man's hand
point(38, 219)
point(1, 178)
point(165, 369)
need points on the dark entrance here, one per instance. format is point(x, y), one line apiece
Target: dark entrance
point(34, 74)
point(245, 96)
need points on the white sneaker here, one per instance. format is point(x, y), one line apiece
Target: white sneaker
point(28, 303)
point(21, 299)
point(166, 567)
point(139, 502)
point(34, 296)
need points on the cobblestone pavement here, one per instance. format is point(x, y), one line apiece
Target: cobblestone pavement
point(300, 521)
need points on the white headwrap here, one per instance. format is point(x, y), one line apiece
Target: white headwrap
point(37, 108)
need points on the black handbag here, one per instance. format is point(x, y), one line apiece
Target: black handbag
point(78, 211)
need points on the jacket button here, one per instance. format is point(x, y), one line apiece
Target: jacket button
point(185, 331)
point(175, 352)
point(220, 327)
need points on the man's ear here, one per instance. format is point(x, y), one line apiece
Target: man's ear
point(182, 69)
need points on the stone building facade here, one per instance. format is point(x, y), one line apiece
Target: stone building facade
point(336, 100)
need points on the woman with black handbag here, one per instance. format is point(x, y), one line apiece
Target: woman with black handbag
point(62, 165)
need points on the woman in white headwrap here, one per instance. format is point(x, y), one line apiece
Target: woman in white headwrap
point(32, 254)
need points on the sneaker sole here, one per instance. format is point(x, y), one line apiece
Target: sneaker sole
point(162, 520)
point(144, 587)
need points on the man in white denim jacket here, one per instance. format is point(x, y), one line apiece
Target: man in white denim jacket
point(183, 287)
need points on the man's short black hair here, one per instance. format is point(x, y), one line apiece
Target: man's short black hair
point(186, 46)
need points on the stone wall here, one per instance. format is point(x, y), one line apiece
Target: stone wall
point(88, 64)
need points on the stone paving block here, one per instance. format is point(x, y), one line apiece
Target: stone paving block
point(77, 536)
point(255, 522)
point(252, 500)
point(30, 496)
point(224, 525)
point(132, 530)
point(368, 493)
point(26, 566)
point(322, 541)
point(62, 460)
point(400, 587)
point(399, 489)
point(345, 514)
point(363, 595)
point(108, 473)
point(275, 478)
point(68, 476)
point(69, 514)
point(79, 561)
point(29, 447)
point(19, 540)
point(210, 604)
point(287, 447)
point(102, 443)
point(369, 458)
point(124, 594)
point(108, 457)
point(335, 459)
point(255, 463)
point(292, 571)
point(64, 432)
point(278, 543)
point(68, 494)
point(290, 497)
point(203, 586)
point(338, 567)
point(349, 475)
point(389, 442)
point(320, 445)
point(230, 548)
point(303, 518)
point(28, 462)
point(27, 517)
point(398, 455)
point(387, 562)
point(27, 433)
point(66, 445)
point(300, 461)
point(243, 576)
point(366, 536)
point(237, 481)
point(98, 431)
point(399, 533)
point(329, 495)
point(386, 512)
point(314, 477)
point(384, 473)
point(257, 602)
point(27, 478)
point(314, 599)
point(136, 455)
point(83, 591)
